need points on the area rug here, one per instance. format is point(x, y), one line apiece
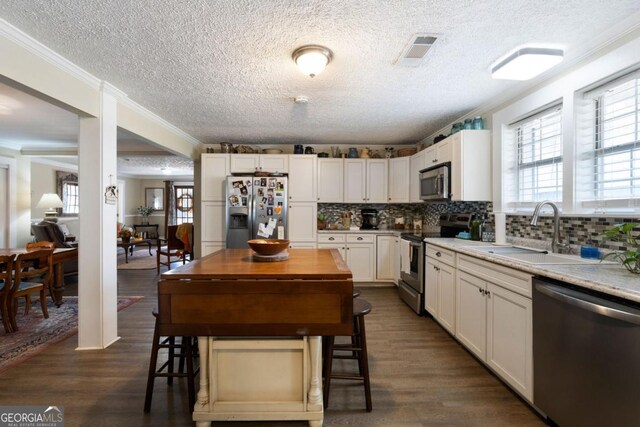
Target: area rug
point(140, 260)
point(36, 334)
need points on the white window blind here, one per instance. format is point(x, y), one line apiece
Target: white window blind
point(538, 163)
point(609, 152)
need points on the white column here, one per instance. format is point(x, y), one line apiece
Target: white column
point(97, 280)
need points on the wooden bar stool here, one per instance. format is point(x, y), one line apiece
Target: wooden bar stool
point(358, 349)
point(185, 350)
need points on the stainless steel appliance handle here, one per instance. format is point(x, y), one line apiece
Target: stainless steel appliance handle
point(415, 245)
point(558, 293)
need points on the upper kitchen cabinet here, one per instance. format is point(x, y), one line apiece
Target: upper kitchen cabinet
point(441, 152)
point(330, 180)
point(303, 175)
point(470, 165)
point(365, 180)
point(418, 162)
point(250, 163)
point(399, 180)
point(213, 173)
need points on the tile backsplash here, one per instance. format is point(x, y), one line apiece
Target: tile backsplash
point(576, 231)
point(429, 212)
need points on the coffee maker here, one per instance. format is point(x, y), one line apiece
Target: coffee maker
point(369, 219)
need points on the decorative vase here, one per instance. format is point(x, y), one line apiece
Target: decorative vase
point(322, 225)
point(145, 220)
point(477, 123)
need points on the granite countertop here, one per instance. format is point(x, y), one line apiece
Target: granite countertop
point(612, 279)
point(381, 231)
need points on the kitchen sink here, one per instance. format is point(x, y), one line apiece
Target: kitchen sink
point(502, 250)
point(546, 258)
point(535, 256)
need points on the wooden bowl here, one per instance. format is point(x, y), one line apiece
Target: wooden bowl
point(268, 246)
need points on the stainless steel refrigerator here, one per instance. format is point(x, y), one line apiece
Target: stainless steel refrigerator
point(256, 209)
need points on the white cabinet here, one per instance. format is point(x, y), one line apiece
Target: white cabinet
point(470, 165)
point(245, 163)
point(386, 258)
point(302, 222)
point(303, 245)
point(330, 180)
point(440, 289)
point(417, 163)
point(494, 320)
point(396, 260)
point(274, 163)
point(361, 261)
point(355, 184)
point(439, 153)
point(471, 314)
point(249, 163)
point(399, 180)
point(377, 180)
point(214, 226)
point(214, 169)
point(358, 251)
point(333, 241)
point(366, 180)
point(302, 178)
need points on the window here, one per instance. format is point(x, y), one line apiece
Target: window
point(611, 151)
point(537, 147)
point(70, 204)
point(184, 204)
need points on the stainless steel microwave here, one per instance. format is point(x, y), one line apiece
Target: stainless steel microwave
point(435, 182)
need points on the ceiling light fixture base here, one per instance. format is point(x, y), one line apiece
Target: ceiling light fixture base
point(312, 59)
point(526, 63)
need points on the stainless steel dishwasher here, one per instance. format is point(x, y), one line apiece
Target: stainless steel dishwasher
point(586, 356)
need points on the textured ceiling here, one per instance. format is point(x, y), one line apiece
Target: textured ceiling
point(154, 165)
point(222, 71)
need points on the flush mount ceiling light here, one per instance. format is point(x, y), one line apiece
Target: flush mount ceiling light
point(311, 59)
point(526, 63)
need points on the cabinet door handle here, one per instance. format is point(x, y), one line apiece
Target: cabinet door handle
point(438, 254)
point(359, 238)
point(488, 294)
point(480, 290)
point(332, 238)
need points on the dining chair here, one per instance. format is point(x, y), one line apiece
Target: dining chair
point(6, 272)
point(32, 246)
point(172, 246)
point(32, 274)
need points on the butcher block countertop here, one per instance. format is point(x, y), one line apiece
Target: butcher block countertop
point(323, 264)
point(227, 293)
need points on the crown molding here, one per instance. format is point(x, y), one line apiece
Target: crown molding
point(129, 103)
point(27, 42)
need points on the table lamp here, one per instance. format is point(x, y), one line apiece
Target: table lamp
point(51, 201)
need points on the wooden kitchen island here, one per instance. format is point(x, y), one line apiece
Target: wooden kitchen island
point(259, 326)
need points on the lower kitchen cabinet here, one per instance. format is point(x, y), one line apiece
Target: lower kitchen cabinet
point(302, 245)
point(361, 261)
point(208, 248)
point(496, 325)
point(386, 258)
point(213, 233)
point(357, 250)
point(440, 293)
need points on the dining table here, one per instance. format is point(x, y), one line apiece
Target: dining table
point(259, 327)
point(60, 256)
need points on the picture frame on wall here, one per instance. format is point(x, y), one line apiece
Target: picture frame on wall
point(154, 197)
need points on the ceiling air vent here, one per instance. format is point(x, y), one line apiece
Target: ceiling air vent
point(415, 52)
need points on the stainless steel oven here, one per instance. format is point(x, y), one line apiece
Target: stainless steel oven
point(435, 182)
point(412, 278)
point(411, 284)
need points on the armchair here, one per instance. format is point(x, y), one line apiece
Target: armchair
point(46, 231)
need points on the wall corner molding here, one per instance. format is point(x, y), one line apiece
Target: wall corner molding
point(27, 42)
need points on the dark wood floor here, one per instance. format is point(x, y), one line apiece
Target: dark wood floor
point(420, 376)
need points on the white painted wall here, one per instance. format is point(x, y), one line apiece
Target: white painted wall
point(4, 207)
point(614, 63)
point(20, 201)
point(43, 180)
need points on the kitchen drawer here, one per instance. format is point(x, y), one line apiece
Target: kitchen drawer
point(361, 238)
point(509, 278)
point(443, 255)
point(331, 238)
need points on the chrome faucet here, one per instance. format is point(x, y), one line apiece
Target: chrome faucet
point(555, 242)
